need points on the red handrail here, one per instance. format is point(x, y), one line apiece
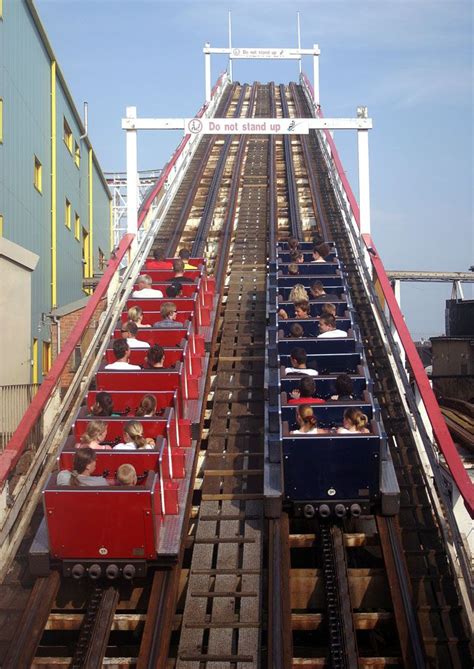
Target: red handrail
point(16, 445)
point(438, 424)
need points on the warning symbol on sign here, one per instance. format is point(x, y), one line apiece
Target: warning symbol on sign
point(195, 126)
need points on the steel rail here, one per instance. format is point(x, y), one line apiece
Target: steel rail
point(208, 212)
point(294, 210)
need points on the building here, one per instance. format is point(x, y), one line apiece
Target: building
point(54, 200)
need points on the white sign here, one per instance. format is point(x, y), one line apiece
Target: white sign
point(285, 54)
point(246, 126)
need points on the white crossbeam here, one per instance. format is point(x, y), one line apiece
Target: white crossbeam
point(269, 126)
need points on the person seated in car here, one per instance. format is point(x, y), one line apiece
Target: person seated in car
point(122, 353)
point(305, 393)
point(296, 257)
point(83, 467)
point(129, 332)
point(159, 261)
point(328, 309)
point(354, 422)
point(298, 363)
point(185, 255)
point(328, 328)
point(293, 243)
point(127, 475)
point(316, 291)
point(93, 436)
point(307, 422)
point(135, 314)
point(103, 405)
point(302, 311)
point(344, 388)
point(155, 357)
point(296, 331)
point(178, 267)
point(174, 290)
point(293, 269)
point(168, 314)
point(298, 294)
point(133, 438)
point(147, 408)
point(321, 252)
point(144, 288)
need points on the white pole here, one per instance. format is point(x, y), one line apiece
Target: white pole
point(316, 74)
point(230, 47)
point(299, 40)
point(207, 70)
point(132, 175)
point(364, 185)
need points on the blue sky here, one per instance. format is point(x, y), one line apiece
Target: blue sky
point(409, 61)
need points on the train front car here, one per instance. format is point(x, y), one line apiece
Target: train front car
point(324, 424)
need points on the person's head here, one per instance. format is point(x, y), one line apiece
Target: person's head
point(305, 417)
point(296, 257)
point(178, 266)
point(293, 243)
point(83, 463)
point(135, 314)
point(298, 293)
point(129, 330)
point(144, 281)
point(344, 385)
point(293, 269)
point(159, 254)
point(298, 357)
point(355, 420)
point(168, 311)
point(296, 330)
point(96, 430)
point(302, 309)
point(317, 289)
point(307, 387)
point(327, 323)
point(321, 251)
point(173, 290)
point(103, 405)
point(133, 433)
point(328, 309)
point(155, 355)
point(127, 475)
point(147, 406)
point(121, 349)
point(184, 254)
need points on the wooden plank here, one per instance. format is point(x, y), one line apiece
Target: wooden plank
point(101, 631)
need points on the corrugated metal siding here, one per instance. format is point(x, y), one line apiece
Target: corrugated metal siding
point(25, 79)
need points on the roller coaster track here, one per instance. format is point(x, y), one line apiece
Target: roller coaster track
point(251, 592)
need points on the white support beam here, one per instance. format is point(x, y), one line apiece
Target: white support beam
point(132, 174)
point(316, 53)
point(207, 71)
point(364, 182)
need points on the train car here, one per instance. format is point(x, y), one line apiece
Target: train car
point(118, 530)
point(332, 456)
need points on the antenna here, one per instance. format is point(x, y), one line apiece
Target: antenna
point(230, 45)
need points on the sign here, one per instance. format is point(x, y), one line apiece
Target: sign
point(246, 126)
point(284, 54)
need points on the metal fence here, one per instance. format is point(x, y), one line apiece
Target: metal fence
point(14, 401)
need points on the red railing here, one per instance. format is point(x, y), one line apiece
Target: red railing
point(438, 424)
point(17, 444)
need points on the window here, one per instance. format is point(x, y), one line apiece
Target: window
point(1, 225)
point(67, 214)
point(77, 154)
point(67, 136)
point(38, 176)
point(34, 360)
point(1, 116)
point(46, 357)
point(77, 226)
